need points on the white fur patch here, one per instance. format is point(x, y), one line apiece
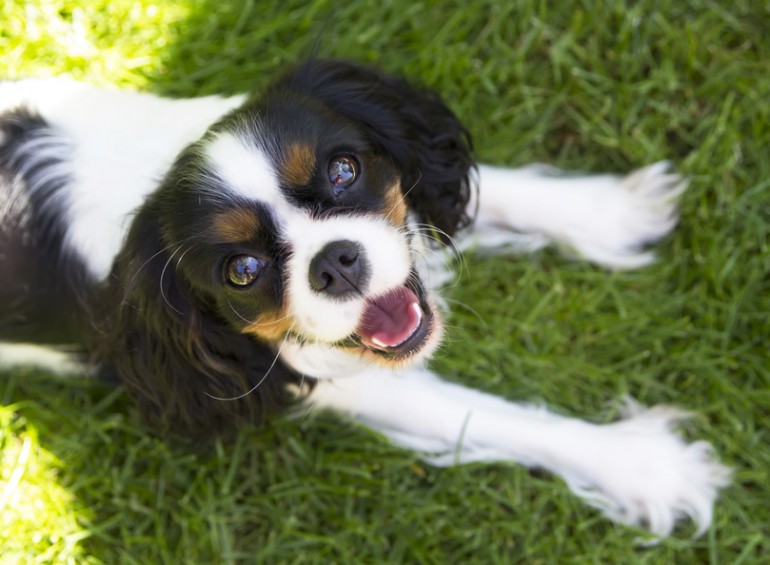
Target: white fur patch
point(121, 145)
point(246, 170)
point(57, 361)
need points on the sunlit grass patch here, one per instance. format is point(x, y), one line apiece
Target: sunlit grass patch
point(108, 42)
point(39, 520)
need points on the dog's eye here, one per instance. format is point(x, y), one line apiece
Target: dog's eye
point(343, 171)
point(242, 270)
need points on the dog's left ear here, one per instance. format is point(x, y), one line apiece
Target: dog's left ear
point(188, 371)
point(412, 125)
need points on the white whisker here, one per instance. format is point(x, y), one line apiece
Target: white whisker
point(404, 195)
point(148, 261)
point(250, 322)
point(162, 274)
point(264, 377)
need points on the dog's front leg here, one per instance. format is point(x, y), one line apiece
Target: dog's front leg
point(607, 219)
point(636, 470)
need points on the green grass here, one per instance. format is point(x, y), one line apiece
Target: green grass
point(585, 85)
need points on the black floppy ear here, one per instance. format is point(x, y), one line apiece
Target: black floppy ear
point(412, 125)
point(189, 373)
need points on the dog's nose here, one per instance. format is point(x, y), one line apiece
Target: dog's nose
point(339, 269)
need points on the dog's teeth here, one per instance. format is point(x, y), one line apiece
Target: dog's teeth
point(379, 343)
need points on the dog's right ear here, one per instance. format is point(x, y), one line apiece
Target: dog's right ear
point(189, 373)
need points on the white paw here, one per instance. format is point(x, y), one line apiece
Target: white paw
point(648, 476)
point(610, 220)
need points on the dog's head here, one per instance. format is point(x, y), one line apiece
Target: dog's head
point(292, 227)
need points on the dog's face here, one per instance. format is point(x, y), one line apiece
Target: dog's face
point(295, 220)
point(296, 226)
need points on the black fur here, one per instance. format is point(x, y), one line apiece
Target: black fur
point(43, 286)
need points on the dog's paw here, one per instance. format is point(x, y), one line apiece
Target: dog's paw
point(648, 476)
point(612, 219)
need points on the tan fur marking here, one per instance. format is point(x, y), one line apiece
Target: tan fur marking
point(272, 328)
point(395, 208)
point(299, 165)
point(236, 225)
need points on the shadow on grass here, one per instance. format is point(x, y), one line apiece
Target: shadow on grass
point(139, 498)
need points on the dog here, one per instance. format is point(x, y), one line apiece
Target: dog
point(226, 258)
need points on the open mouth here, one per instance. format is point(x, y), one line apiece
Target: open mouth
point(394, 324)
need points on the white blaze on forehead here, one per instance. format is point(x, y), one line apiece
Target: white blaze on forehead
point(246, 170)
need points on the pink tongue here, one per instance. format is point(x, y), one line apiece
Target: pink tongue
point(390, 320)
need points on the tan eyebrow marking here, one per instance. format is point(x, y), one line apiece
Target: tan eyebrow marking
point(299, 164)
point(236, 225)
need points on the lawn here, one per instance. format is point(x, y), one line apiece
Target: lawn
point(585, 85)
